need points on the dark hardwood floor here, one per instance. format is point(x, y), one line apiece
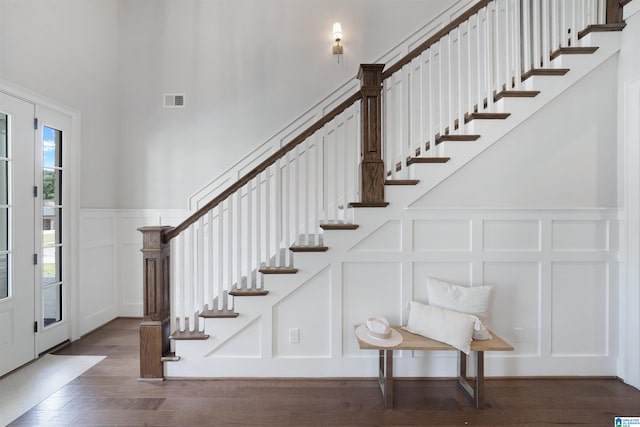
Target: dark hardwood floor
point(109, 394)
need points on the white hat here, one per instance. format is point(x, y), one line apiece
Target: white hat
point(376, 331)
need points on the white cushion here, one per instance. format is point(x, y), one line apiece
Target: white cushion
point(447, 326)
point(472, 300)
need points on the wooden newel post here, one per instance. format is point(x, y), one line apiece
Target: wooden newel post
point(155, 326)
point(371, 165)
point(614, 12)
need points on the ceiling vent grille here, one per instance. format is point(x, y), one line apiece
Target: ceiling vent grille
point(173, 100)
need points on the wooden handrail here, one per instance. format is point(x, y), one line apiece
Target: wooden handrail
point(614, 15)
point(170, 234)
point(434, 38)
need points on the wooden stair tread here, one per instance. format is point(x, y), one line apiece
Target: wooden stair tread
point(170, 357)
point(485, 116)
point(516, 94)
point(248, 292)
point(278, 270)
point(599, 28)
point(573, 51)
point(308, 248)
point(339, 226)
point(188, 335)
point(218, 314)
point(413, 160)
point(444, 138)
point(545, 72)
point(368, 204)
point(401, 182)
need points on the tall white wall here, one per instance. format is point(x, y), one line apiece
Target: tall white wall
point(67, 50)
point(248, 68)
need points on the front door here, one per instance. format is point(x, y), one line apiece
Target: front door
point(17, 233)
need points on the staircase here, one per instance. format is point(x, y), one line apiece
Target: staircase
point(215, 284)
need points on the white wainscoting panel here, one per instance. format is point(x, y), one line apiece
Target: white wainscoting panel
point(442, 235)
point(510, 235)
point(311, 320)
point(370, 289)
point(111, 262)
point(580, 235)
point(97, 290)
point(580, 305)
point(516, 303)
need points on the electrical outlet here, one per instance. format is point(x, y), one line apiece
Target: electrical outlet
point(518, 334)
point(294, 335)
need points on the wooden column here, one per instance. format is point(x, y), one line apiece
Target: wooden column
point(371, 165)
point(155, 326)
point(614, 12)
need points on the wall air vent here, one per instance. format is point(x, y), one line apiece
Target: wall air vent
point(173, 100)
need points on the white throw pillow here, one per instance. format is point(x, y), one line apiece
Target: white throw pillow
point(473, 300)
point(447, 326)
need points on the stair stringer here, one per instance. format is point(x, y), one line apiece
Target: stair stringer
point(195, 360)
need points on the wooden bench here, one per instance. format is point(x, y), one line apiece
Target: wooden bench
point(418, 342)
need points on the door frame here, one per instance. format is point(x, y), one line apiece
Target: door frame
point(72, 210)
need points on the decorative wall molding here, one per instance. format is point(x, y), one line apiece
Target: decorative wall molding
point(546, 274)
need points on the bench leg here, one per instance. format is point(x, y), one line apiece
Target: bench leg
point(385, 377)
point(476, 393)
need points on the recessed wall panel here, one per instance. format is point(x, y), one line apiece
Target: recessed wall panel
point(96, 292)
point(515, 303)
point(580, 235)
point(311, 320)
point(369, 289)
point(511, 235)
point(442, 235)
point(579, 308)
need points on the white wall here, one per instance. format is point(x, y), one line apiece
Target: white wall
point(66, 50)
point(564, 156)
point(248, 68)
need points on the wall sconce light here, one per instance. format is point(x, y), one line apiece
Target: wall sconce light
point(337, 36)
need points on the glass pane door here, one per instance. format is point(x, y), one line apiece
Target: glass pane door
point(51, 226)
point(4, 208)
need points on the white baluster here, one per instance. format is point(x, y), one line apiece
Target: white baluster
point(440, 120)
point(318, 176)
point(278, 213)
point(179, 282)
point(356, 159)
point(345, 163)
point(199, 294)
point(286, 209)
point(517, 45)
point(248, 241)
point(229, 235)
point(259, 210)
point(220, 256)
point(461, 81)
point(477, 71)
point(387, 111)
point(469, 67)
point(189, 282)
point(211, 290)
point(268, 227)
point(450, 83)
point(537, 51)
point(405, 120)
point(306, 189)
point(296, 196)
point(422, 115)
point(546, 50)
point(602, 12)
point(574, 24)
point(489, 57)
